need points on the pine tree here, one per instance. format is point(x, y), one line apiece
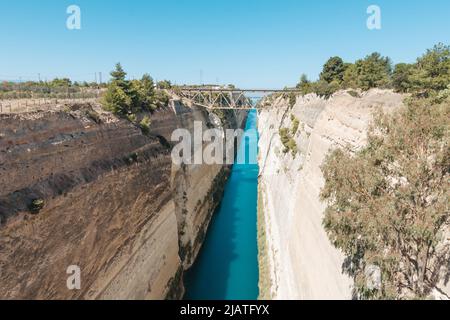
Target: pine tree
point(333, 70)
point(117, 98)
point(373, 72)
point(401, 77)
point(118, 75)
point(148, 92)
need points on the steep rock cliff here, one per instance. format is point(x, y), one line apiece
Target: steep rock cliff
point(302, 262)
point(110, 202)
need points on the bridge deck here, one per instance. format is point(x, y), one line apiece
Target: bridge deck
point(225, 98)
point(228, 90)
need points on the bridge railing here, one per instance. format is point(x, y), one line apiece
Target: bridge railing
point(226, 98)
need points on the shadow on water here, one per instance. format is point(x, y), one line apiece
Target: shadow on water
point(227, 266)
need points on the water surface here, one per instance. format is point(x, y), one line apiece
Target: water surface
point(227, 266)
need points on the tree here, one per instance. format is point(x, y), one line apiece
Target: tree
point(148, 92)
point(304, 85)
point(118, 75)
point(350, 78)
point(165, 84)
point(325, 89)
point(388, 204)
point(145, 125)
point(129, 98)
point(373, 72)
point(65, 82)
point(333, 70)
point(136, 94)
point(116, 100)
point(432, 71)
point(161, 99)
point(401, 77)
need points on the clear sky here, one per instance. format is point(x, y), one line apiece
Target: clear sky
point(251, 43)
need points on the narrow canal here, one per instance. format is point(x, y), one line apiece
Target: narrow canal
point(227, 266)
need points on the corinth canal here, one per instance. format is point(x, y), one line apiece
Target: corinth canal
point(227, 266)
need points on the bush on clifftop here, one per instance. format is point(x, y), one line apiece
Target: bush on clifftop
point(388, 204)
point(427, 76)
point(127, 98)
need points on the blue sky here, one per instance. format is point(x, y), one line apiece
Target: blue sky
point(251, 43)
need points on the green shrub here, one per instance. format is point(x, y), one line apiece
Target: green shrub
point(145, 125)
point(429, 75)
point(284, 135)
point(305, 85)
point(164, 85)
point(292, 100)
point(132, 117)
point(443, 95)
point(161, 99)
point(116, 100)
point(333, 70)
point(295, 125)
point(388, 203)
point(401, 77)
point(432, 70)
point(354, 94)
point(36, 206)
point(288, 142)
point(124, 97)
point(292, 146)
point(374, 71)
point(325, 89)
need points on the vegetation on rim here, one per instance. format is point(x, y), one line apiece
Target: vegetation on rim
point(429, 75)
point(130, 98)
point(388, 204)
point(56, 89)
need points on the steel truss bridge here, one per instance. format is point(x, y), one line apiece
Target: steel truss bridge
point(227, 98)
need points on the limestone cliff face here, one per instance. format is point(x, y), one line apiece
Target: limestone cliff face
point(113, 204)
point(198, 189)
point(303, 263)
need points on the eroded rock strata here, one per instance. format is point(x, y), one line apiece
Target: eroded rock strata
point(299, 261)
point(82, 187)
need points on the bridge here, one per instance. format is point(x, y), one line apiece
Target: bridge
point(226, 98)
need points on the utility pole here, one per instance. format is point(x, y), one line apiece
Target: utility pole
point(100, 75)
point(95, 77)
point(39, 77)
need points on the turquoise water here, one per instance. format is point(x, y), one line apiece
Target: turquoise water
point(227, 266)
